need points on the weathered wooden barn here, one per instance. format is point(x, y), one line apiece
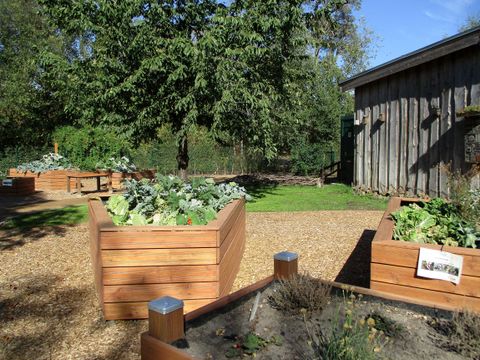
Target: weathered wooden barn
point(407, 117)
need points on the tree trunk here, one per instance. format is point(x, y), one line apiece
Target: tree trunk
point(182, 156)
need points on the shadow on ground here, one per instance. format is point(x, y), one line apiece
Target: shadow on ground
point(356, 270)
point(27, 227)
point(35, 308)
point(17, 237)
point(41, 316)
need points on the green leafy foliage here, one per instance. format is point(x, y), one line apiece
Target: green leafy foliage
point(434, 222)
point(170, 201)
point(250, 344)
point(309, 158)
point(122, 164)
point(11, 157)
point(30, 107)
point(465, 196)
point(48, 162)
point(87, 146)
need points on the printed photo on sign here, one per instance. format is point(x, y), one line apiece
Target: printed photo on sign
point(441, 265)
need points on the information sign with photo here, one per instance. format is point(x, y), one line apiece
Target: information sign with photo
point(441, 265)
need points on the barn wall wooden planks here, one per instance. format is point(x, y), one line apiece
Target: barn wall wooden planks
point(393, 268)
point(407, 153)
point(136, 264)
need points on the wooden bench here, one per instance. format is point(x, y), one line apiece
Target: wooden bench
point(88, 175)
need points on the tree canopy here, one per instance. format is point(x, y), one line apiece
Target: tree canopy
point(262, 73)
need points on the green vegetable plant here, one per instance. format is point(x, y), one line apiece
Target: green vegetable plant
point(123, 165)
point(434, 222)
point(168, 200)
point(250, 344)
point(48, 162)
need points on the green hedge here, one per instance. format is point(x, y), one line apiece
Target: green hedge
point(309, 159)
point(86, 146)
point(11, 157)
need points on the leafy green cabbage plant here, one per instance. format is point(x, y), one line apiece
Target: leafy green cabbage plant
point(434, 222)
point(167, 200)
point(122, 164)
point(48, 162)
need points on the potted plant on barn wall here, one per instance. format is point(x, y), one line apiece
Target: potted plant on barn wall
point(452, 227)
point(119, 169)
point(166, 237)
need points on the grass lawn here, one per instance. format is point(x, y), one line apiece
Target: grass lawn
point(265, 198)
point(69, 215)
point(311, 198)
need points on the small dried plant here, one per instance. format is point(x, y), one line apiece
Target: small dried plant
point(300, 292)
point(351, 339)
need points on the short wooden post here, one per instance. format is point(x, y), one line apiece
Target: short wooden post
point(285, 265)
point(165, 319)
point(55, 148)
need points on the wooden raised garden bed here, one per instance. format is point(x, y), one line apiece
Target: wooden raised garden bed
point(53, 180)
point(17, 186)
point(118, 177)
point(135, 264)
point(211, 331)
point(394, 263)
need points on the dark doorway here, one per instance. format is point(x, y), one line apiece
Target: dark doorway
point(346, 150)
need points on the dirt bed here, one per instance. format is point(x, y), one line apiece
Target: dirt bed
point(48, 307)
point(401, 331)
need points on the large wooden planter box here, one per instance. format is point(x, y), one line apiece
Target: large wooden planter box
point(20, 187)
point(135, 264)
point(394, 263)
point(53, 180)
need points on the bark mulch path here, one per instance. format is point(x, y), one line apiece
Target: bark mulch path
point(48, 307)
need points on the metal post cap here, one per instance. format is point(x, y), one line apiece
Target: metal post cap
point(165, 305)
point(286, 256)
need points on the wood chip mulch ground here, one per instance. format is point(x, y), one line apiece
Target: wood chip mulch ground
point(48, 307)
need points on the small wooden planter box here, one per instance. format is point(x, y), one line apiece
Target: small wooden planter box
point(394, 263)
point(118, 178)
point(53, 180)
point(20, 187)
point(135, 264)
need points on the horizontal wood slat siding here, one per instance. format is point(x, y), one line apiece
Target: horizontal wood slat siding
point(230, 265)
point(407, 256)
point(407, 152)
point(147, 292)
point(20, 186)
point(54, 180)
point(136, 264)
point(159, 274)
point(139, 310)
point(393, 268)
point(458, 302)
point(152, 257)
point(158, 239)
point(469, 285)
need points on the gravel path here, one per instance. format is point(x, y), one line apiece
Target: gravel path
point(48, 308)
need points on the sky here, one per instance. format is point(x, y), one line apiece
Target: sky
point(403, 26)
